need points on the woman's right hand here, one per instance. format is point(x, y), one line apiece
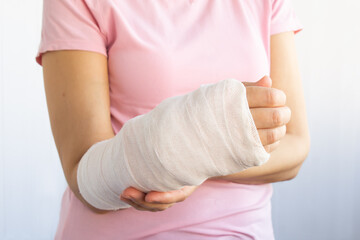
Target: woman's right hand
point(155, 201)
point(267, 106)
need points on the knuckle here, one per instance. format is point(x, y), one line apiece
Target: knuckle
point(286, 114)
point(271, 136)
point(270, 96)
point(277, 117)
point(276, 97)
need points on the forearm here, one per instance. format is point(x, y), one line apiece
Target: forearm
point(178, 143)
point(73, 185)
point(283, 164)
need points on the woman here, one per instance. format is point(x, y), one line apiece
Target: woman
point(105, 62)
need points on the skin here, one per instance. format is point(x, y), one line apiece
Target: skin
point(77, 93)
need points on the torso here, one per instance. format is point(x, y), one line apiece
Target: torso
point(162, 48)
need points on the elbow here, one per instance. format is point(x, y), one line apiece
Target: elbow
point(73, 185)
point(304, 145)
point(293, 173)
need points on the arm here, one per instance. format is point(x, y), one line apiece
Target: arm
point(285, 161)
point(77, 93)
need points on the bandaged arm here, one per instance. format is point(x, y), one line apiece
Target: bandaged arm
point(183, 141)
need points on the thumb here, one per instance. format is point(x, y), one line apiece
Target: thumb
point(263, 82)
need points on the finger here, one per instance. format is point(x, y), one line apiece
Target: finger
point(166, 197)
point(265, 97)
point(263, 82)
point(133, 193)
point(144, 206)
point(138, 197)
point(154, 206)
point(271, 135)
point(270, 117)
point(171, 196)
point(271, 147)
point(128, 201)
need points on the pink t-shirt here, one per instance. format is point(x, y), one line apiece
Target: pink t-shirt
point(157, 49)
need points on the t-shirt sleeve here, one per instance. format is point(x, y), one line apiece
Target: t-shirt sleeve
point(69, 25)
point(283, 17)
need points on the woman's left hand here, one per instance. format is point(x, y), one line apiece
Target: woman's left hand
point(155, 201)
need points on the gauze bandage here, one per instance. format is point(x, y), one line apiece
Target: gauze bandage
point(182, 141)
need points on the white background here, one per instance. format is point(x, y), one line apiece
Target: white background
point(323, 202)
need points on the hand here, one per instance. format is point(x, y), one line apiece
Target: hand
point(155, 201)
point(267, 106)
